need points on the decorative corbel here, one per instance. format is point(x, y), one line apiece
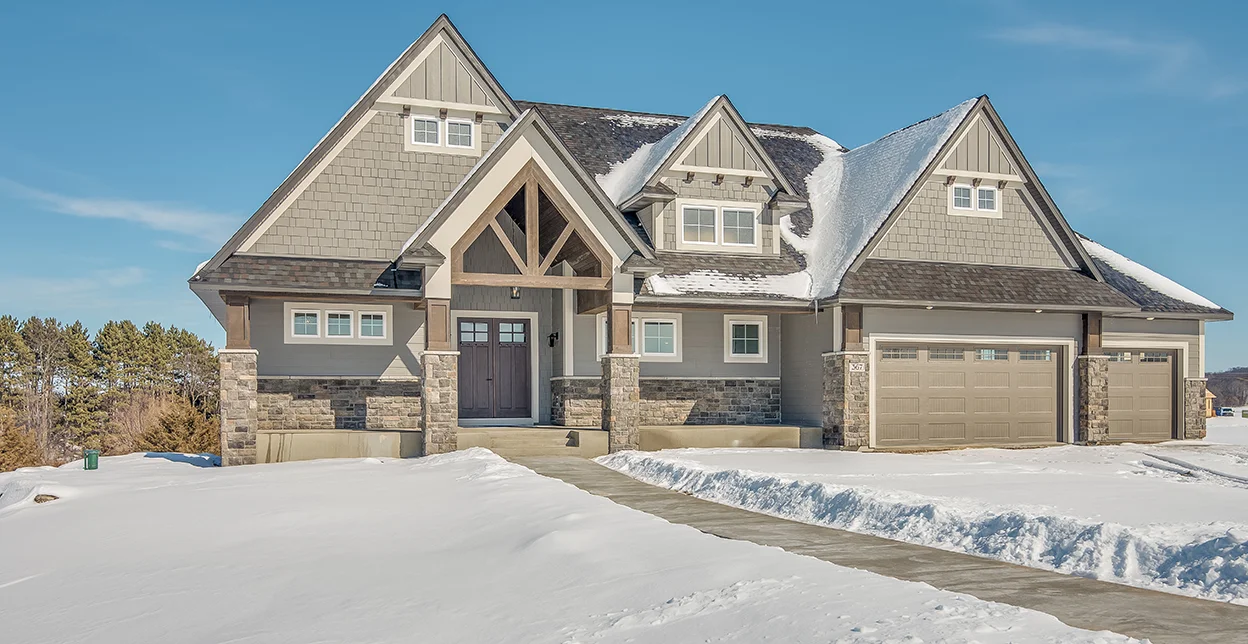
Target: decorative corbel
point(749, 181)
point(480, 118)
point(949, 180)
point(407, 111)
point(1001, 184)
point(719, 179)
point(442, 114)
point(975, 182)
point(688, 177)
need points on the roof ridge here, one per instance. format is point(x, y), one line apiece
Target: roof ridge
point(657, 114)
point(917, 123)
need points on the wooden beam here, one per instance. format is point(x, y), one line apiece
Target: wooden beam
point(1092, 333)
point(438, 324)
point(592, 302)
point(509, 247)
point(619, 335)
point(554, 250)
point(530, 220)
point(534, 281)
point(479, 226)
point(851, 327)
point(237, 321)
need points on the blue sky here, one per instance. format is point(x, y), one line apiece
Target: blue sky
point(136, 137)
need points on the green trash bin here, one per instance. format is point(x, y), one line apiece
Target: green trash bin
point(91, 459)
point(1244, 413)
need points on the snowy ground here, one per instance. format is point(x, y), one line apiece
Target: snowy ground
point(1171, 517)
point(457, 548)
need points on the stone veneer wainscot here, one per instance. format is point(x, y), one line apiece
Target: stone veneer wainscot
point(577, 402)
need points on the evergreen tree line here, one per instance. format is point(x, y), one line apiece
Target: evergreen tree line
point(125, 390)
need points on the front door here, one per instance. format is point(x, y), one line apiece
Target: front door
point(494, 368)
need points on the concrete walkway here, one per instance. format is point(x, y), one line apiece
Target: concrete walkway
point(1083, 603)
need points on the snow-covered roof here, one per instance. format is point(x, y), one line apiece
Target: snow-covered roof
point(710, 281)
point(627, 178)
point(1145, 277)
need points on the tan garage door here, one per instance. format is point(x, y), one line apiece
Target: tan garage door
point(1141, 395)
point(938, 394)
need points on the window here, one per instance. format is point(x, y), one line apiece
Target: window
point(896, 353)
point(945, 353)
point(738, 227)
point(1036, 355)
point(306, 324)
point(424, 130)
point(745, 338)
point(987, 199)
point(1119, 356)
point(474, 332)
point(372, 325)
point(459, 134)
point(1154, 356)
point(962, 197)
point(338, 325)
point(511, 332)
point(990, 355)
point(699, 225)
point(658, 338)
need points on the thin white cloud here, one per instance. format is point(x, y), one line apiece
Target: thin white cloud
point(169, 218)
point(1173, 64)
point(92, 290)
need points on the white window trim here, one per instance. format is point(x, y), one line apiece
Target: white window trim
point(638, 328)
point(350, 327)
point(714, 224)
point(761, 321)
point(472, 133)
point(753, 217)
point(322, 311)
point(974, 210)
point(385, 325)
point(677, 211)
point(411, 130)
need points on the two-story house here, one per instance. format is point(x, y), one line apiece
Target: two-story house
point(447, 256)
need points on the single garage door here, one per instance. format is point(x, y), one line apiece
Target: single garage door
point(1141, 395)
point(943, 395)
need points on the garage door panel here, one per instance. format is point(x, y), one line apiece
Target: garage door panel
point(947, 431)
point(992, 430)
point(997, 405)
point(898, 406)
point(1153, 403)
point(992, 380)
point(947, 379)
point(1154, 381)
point(1141, 394)
point(1037, 430)
point(1037, 380)
point(1035, 405)
point(898, 432)
point(946, 405)
point(898, 380)
point(1123, 380)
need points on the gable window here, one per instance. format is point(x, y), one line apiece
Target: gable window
point(699, 225)
point(424, 130)
point(962, 197)
point(306, 324)
point(372, 325)
point(981, 200)
point(459, 134)
point(338, 325)
point(745, 338)
point(986, 199)
point(738, 226)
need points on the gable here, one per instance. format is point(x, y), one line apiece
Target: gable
point(980, 151)
point(440, 77)
point(718, 146)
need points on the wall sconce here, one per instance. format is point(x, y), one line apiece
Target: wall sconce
point(515, 292)
point(553, 338)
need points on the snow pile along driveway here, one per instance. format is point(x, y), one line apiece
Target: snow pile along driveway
point(1170, 517)
point(462, 547)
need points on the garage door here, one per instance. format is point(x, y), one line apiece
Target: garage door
point(938, 394)
point(1141, 395)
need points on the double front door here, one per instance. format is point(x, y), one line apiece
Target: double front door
point(494, 368)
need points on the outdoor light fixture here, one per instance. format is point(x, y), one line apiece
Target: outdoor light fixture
point(930, 308)
point(1150, 319)
point(553, 338)
point(515, 292)
point(1039, 310)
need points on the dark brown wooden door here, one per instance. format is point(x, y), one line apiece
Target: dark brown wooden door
point(494, 368)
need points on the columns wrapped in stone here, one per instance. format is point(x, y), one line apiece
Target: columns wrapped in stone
point(439, 401)
point(1093, 399)
point(1193, 408)
point(621, 383)
point(846, 399)
point(239, 406)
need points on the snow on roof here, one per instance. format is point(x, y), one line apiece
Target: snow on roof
point(642, 120)
point(852, 193)
point(627, 178)
point(201, 266)
point(1145, 275)
point(794, 285)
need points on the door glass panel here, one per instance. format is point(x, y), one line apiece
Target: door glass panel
point(474, 332)
point(511, 332)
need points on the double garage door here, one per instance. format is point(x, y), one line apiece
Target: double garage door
point(1141, 395)
point(947, 395)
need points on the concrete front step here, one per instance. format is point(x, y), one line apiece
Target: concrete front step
point(535, 441)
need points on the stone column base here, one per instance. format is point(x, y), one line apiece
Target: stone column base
point(239, 406)
point(439, 401)
point(621, 401)
point(847, 399)
point(1193, 409)
point(1093, 400)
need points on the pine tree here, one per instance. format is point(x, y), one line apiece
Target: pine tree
point(181, 429)
point(156, 352)
point(118, 349)
point(83, 417)
point(43, 337)
point(16, 362)
point(17, 447)
point(194, 370)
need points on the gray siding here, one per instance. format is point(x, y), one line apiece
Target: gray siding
point(804, 339)
point(1138, 330)
point(444, 77)
point(400, 360)
point(926, 231)
point(980, 151)
point(371, 198)
point(978, 323)
point(758, 192)
point(720, 147)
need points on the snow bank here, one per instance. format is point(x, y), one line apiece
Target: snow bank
point(1145, 275)
point(626, 178)
point(462, 547)
point(1207, 560)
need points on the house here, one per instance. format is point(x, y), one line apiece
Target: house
point(1209, 398)
point(448, 256)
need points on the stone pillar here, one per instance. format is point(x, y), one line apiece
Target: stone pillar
point(1193, 408)
point(239, 407)
point(1093, 399)
point(621, 401)
point(847, 399)
point(439, 401)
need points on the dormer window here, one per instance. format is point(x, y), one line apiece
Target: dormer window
point(986, 199)
point(424, 130)
point(738, 227)
point(698, 225)
point(730, 226)
point(459, 134)
point(962, 198)
point(982, 201)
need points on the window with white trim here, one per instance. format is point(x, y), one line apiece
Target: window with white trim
point(739, 227)
point(1154, 356)
point(656, 337)
point(945, 353)
point(458, 134)
point(1119, 356)
point(899, 353)
point(968, 199)
point(372, 325)
point(1035, 355)
point(698, 224)
point(306, 324)
point(425, 130)
point(338, 324)
point(962, 198)
point(986, 199)
point(991, 355)
point(745, 338)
